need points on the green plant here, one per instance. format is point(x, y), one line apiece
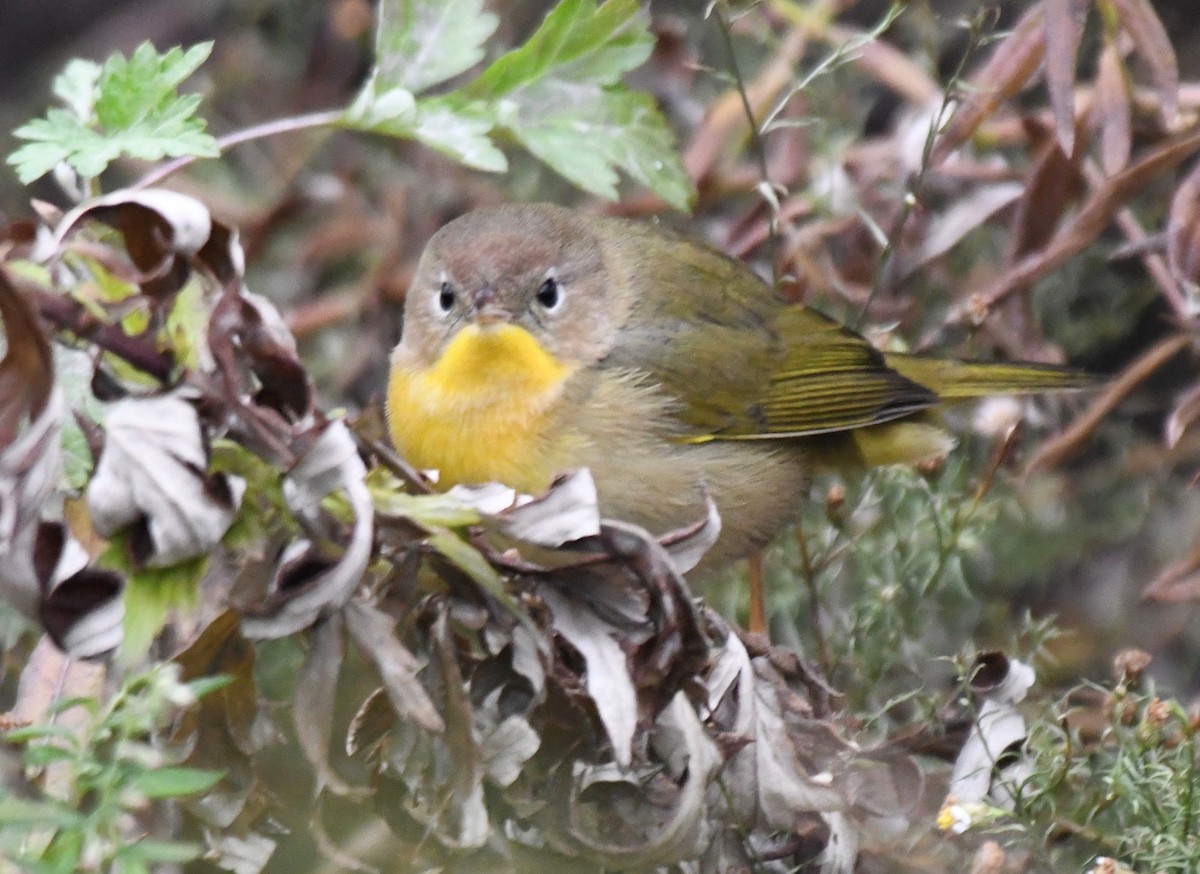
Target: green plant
point(95, 786)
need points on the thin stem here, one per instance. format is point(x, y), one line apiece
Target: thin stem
point(756, 143)
point(324, 118)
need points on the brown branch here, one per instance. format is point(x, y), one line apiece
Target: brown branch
point(1061, 447)
point(66, 314)
point(1083, 230)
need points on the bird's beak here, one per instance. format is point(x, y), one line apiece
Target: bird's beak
point(486, 310)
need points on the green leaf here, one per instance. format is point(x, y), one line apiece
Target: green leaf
point(77, 86)
point(421, 43)
point(41, 755)
point(27, 733)
point(561, 97)
point(175, 782)
point(618, 129)
point(20, 812)
point(150, 594)
point(436, 510)
point(459, 129)
point(160, 852)
point(129, 107)
point(578, 43)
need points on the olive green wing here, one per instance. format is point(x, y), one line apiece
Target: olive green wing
point(741, 363)
point(827, 379)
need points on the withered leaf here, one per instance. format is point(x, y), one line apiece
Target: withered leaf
point(153, 473)
point(27, 371)
point(1064, 29)
point(1112, 109)
point(1185, 412)
point(162, 229)
point(376, 637)
point(607, 677)
point(312, 709)
point(1012, 65)
point(1183, 235)
point(1153, 44)
point(998, 726)
point(31, 422)
point(330, 464)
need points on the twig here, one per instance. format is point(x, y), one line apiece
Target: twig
point(325, 118)
point(1058, 449)
point(66, 314)
point(1083, 230)
point(766, 189)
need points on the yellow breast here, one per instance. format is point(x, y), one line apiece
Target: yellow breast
point(481, 412)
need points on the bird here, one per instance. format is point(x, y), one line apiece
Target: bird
point(538, 339)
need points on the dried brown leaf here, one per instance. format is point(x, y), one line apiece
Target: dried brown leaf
point(375, 635)
point(1053, 185)
point(1183, 235)
point(49, 678)
point(224, 729)
point(1113, 110)
point(26, 371)
point(1013, 64)
point(308, 583)
point(312, 709)
point(1153, 45)
point(1178, 582)
point(964, 216)
point(1063, 446)
point(1086, 226)
point(163, 230)
point(1063, 31)
point(1185, 412)
point(607, 675)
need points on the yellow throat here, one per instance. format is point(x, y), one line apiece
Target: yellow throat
point(481, 411)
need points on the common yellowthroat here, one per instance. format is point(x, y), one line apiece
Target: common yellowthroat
point(538, 340)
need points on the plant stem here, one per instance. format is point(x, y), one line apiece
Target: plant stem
point(324, 118)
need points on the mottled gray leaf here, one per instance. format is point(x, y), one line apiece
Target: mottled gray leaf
point(607, 678)
point(398, 668)
point(997, 727)
point(330, 464)
point(312, 709)
point(153, 470)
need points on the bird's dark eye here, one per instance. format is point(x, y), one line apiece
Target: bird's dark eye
point(446, 297)
point(548, 295)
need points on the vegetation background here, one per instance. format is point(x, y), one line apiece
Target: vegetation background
point(1060, 225)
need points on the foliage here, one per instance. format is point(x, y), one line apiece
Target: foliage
point(531, 686)
point(102, 772)
point(128, 106)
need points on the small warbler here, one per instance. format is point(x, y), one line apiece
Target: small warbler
point(538, 339)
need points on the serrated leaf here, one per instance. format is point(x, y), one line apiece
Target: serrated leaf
point(135, 112)
point(579, 43)
point(459, 130)
point(175, 782)
point(560, 96)
point(138, 88)
point(420, 43)
point(585, 141)
point(77, 86)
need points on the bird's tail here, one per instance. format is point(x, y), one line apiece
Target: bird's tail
point(961, 380)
